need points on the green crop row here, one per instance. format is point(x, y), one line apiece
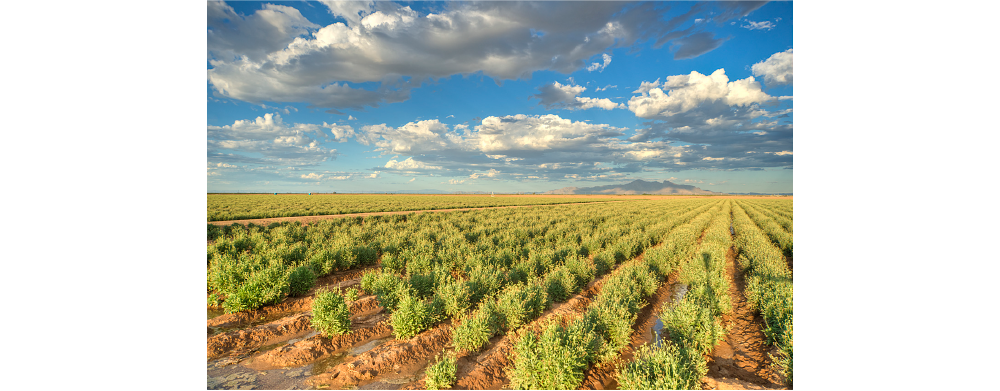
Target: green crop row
point(775, 211)
point(256, 206)
point(510, 290)
point(774, 231)
point(558, 357)
point(693, 325)
point(769, 285)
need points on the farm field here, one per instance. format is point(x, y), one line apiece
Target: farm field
point(663, 293)
point(257, 206)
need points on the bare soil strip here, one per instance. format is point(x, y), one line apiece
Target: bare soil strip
point(313, 348)
point(285, 328)
point(387, 357)
point(313, 219)
point(741, 361)
point(282, 329)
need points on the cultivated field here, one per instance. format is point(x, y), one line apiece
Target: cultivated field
point(669, 293)
point(257, 206)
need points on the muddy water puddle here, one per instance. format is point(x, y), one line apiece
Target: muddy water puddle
point(253, 323)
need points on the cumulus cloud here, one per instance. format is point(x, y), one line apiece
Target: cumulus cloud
point(409, 165)
point(722, 120)
point(271, 138)
point(276, 55)
point(340, 132)
point(598, 66)
point(559, 96)
point(694, 92)
point(350, 11)
point(776, 70)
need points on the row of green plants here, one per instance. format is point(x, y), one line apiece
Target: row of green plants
point(558, 356)
point(489, 294)
point(776, 210)
point(769, 286)
point(777, 234)
point(692, 326)
point(223, 207)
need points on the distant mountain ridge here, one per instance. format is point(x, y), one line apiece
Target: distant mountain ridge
point(638, 186)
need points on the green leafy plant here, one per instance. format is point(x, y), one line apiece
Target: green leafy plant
point(555, 360)
point(663, 367)
point(477, 328)
point(411, 317)
point(330, 313)
point(351, 294)
point(441, 374)
point(301, 280)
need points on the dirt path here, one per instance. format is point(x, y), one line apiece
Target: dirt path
point(313, 219)
point(741, 361)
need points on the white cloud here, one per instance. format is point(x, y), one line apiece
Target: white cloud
point(605, 87)
point(450, 116)
point(340, 132)
point(409, 165)
point(271, 138)
point(351, 11)
point(776, 70)
point(276, 55)
point(765, 25)
point(412, 179)
point(694, 91)
point(598, 66)
point(556, 96)
point(351, 118)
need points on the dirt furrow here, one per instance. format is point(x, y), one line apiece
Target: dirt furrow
point(741, 361)
point(316, 347)
point(390, 356)
point(284, 328)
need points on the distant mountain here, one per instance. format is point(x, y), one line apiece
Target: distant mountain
point(636, 187)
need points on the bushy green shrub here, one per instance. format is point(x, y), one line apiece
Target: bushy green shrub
point(423, 284)
point(441, 374)
point(264, 287)
point(330, 313)
point(519, 304)
point(477, 328)
point(556, 360)
point(411, 317)
point(555, 285)
point(364, 255)
point(689, 324)
point(582, 270)
point(663, 367)
point(301, 280)
point(604, 261)
point(392, 264)
point(388, 288)
point(351, 294)
point(455, 295)
point(485, 280)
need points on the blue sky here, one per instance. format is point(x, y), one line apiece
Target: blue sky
point(498, 96)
